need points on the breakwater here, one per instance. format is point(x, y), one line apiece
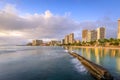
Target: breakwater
point(97, 71)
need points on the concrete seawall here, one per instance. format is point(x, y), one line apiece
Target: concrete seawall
point(97, 71)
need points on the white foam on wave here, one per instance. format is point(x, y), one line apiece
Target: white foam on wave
point(79, 67)
point(69, 51)
point(66, 50)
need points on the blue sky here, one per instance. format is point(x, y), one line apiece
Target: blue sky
point(19, 18)
point(79, 9)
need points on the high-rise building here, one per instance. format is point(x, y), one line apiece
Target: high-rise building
point(85, 35)
point(88, 39)
point(37, 42)
point(100, 33)
point(71, 38)
point(118, 34)
point(92, 35)
point(66, 39)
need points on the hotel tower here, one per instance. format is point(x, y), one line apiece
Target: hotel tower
point(100, 33)
point(118, 35)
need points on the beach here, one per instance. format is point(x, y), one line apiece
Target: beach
point(107, 47)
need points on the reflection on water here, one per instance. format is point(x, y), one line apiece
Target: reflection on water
point(108, 58)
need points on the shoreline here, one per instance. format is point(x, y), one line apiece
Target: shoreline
point(117, 47)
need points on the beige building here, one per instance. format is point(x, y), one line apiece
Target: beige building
point(85, 35)
point(54, 43)
point(71, 38)
point(37, 42)
point(66, 39)
point(118, 34)
point(88, 36)
point(77, 41)
point(100, 33)
point(92, 35)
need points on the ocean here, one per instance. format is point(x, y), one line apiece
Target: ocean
point(53, 63)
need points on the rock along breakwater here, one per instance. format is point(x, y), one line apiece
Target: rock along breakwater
point(97, 71)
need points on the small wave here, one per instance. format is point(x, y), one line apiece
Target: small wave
point(69, 51)
point(79, 67)
point(66, 50)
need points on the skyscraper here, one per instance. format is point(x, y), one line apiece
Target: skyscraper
point(71, 38)
point(66, 39)
point(85, 35)
point(93, 35)
point(100, 33)
point(88, 39)
point(118, 34)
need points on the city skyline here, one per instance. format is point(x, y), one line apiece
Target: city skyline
point(20, 22)
point(93, 35)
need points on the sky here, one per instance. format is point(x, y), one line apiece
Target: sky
point(24, 20)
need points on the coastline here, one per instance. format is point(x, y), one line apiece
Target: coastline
point(108, 47)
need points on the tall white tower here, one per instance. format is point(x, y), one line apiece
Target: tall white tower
point(118, 34)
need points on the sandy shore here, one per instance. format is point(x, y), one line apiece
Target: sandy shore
point(118, 47)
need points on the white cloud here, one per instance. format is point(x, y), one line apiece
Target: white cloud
point(44, 25)
point(10, 9)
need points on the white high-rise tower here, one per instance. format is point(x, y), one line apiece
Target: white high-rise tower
point(118, 34)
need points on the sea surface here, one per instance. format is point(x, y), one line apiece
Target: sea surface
point(53, 63)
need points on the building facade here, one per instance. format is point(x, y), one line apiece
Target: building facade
point(66, 41)
point(100, 33)
point(71, 38)
point(77, 41)
point(118, 34)
point(37, 42)
point(85, 35)
point(88, 36)
point(93, 35)
point(88, 39)
point(54, 43)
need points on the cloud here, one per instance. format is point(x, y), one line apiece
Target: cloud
point(14, 26)
point(34, 26)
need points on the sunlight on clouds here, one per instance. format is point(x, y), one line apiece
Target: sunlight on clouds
point(11, 34)
point(17, 34)
point(48, 14)
point(3, 34)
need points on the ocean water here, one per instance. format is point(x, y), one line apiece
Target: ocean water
point(53, 63)
point(39, 63)
point(108, 58)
